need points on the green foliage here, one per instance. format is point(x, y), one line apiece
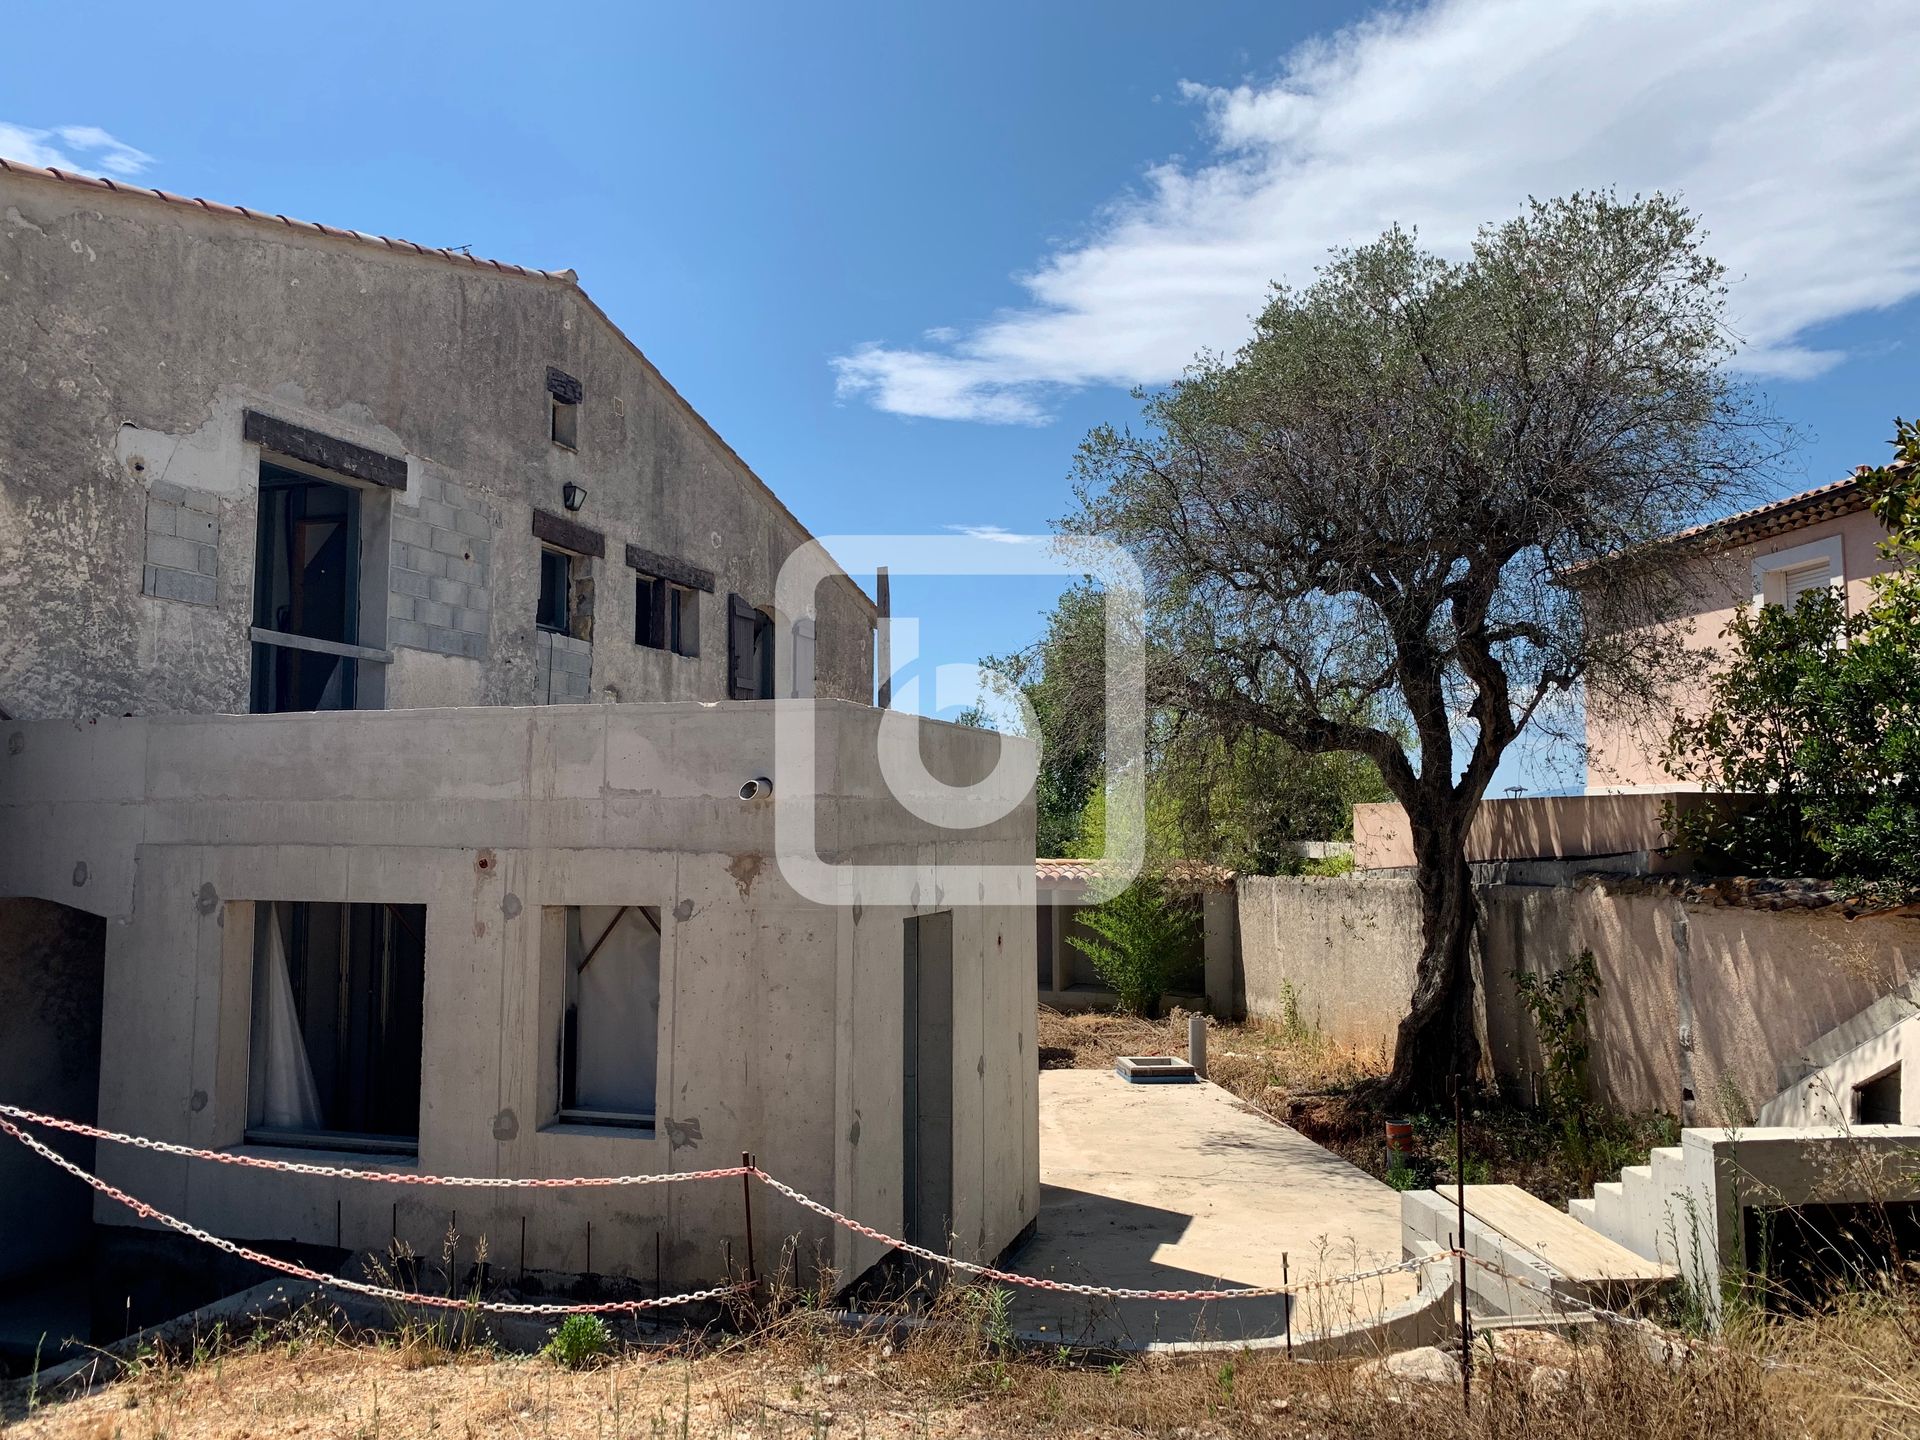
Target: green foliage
point(1326, 867)
point(1355, 532)
point(1236, 801)
point(1140, 939)
point(1558, 1004)
point(1811, 733)
point(579, 1342)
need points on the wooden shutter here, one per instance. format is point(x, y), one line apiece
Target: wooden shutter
point(653, 617)
point(743, 682)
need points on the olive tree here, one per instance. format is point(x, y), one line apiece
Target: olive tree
point(1357, 530)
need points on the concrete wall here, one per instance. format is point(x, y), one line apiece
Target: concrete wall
point(52, 959)
point(1704, 1011)
point(1528, 828)
point(138, 332)
point(779, 1019)
point(1624, 753)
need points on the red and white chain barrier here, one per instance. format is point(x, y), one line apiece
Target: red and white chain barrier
point(1103, 1292)
point(342, 1172)
point(338, 1282)
point(396, 1177)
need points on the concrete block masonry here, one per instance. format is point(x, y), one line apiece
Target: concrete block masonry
point(182, 546)
point(565, 669)
point(439, 598)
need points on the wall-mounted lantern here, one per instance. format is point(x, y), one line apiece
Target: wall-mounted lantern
point(573, 496)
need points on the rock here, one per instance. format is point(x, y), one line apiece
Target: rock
point(1527, 1347)
point(1548, 1381)
point(1424, 1366)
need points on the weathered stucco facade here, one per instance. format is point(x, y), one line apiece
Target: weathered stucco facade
point(140, 332)
point(363, 923)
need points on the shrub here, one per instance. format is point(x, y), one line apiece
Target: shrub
point(1558, 1005)
point(1140, 938)
point(580, 1340)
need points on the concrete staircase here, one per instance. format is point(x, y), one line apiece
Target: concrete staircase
point(1644, 1210)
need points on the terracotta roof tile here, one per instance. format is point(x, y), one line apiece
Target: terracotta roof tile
point(1823, 502)
point(214, 207)
point(1183, 874)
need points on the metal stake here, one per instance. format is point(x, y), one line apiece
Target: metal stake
point(1460, 1197)
point(746, 1201)
point(1286, 1313)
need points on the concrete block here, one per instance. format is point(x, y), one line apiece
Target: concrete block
point(400, 607)
point(204, 501)
point(447, 592)
point(473, 646)
point(423, 561)
point(443, 641)
point(438, 514)
point(160, 518)
point(479, 598)
point(409, 582)
point(481, 550)
point(407, 632)
point(432, 612)
point(207, 559)
point(472, 622)
point(167, 494)
point(455, 494)
point(423, 485)
point(446, 542)
point(465, 571)
point(409, 531)
point(174, 553)
point(165, 584)
point(474, 524)
point(192, 525)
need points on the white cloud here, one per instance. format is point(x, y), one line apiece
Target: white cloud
point(98, 149)
point(999, 534)
point(1778, 120)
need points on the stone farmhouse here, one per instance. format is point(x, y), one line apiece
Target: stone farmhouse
point(388, 681)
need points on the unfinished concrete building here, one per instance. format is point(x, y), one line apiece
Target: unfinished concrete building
point(297, 528)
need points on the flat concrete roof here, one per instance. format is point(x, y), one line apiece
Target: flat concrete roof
point(1175, 1187)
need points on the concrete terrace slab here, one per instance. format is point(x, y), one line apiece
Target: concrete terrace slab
point(1168, 1187)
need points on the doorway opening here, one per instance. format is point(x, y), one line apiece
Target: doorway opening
point(306, 594)
point(927, 1090)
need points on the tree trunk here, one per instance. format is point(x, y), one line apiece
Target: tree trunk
point(1437, 1040)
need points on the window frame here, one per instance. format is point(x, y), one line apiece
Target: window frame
point(540, 619)
point(255, 1131)
point(655, 596)
point(1770, 570)
point(565, 1110)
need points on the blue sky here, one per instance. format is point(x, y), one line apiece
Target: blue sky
point(903, 256)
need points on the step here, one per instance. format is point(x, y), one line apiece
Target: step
point(1580, 1207)
point(1579, 1254)
point(1610, 1209)
point(1641, 1209)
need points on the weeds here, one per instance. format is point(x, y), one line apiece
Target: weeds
point(433, 1336)
point(580, 1341)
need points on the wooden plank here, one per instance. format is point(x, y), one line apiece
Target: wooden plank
point(1581, 1255)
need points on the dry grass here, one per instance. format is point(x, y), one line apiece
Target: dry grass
point(1849, 1374)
